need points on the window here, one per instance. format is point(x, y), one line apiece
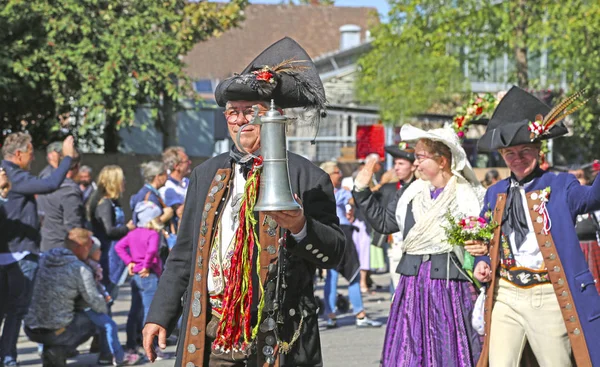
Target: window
point(203, 86)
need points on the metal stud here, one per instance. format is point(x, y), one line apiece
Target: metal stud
point(568, 306)
point(191, 348)
point(270, 340)
point(190, 364)
point(214, 190)
point(194, 331)
point(271, 250)
point(572, 319)
point(220, 186)
point(271, 232)
point(200, 259)
point(203, 230)
point(197, 295)
point(210, 198)
point(270, 359)
point(319, 256)
point(196, 308)
point(217, 177)
point(268, 325)
point(315, 251)
point(539, 219)
point(576, 331)
point(198, 277)
point(499, 197)
point(551, 257)
point(534, 196)
point(564, 293)
point(272, 268)
point(556, 269)
point(268, 350)
point(202, 242)
point(207, 207)
point(309, 247)
point(547, 244)
point(325, 258)
point(560, 281)
point(292, 312)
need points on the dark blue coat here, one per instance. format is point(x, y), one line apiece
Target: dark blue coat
point(21, 231)
point(568, 198)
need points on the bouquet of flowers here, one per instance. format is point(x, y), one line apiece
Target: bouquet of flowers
point(469, 228)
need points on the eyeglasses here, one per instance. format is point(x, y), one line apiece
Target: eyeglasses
point(422, 157)
point(232, 114)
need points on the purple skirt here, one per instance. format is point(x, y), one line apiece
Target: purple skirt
point(430, 323)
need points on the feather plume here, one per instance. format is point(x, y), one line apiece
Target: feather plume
point(567, 113)
point(288, 67)
point(551, 118)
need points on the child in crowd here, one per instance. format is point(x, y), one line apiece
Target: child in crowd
point(104, 321)
point(139, 249)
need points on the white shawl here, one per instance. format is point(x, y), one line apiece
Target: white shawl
point(427, 236)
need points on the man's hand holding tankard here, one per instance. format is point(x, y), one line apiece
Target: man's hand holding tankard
point(293, 220)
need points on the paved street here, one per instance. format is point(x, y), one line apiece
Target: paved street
point(345, 346)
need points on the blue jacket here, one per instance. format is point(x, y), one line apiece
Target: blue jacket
point(567, 200)
point(21, 231)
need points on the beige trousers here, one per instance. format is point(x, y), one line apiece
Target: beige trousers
point(528, 315)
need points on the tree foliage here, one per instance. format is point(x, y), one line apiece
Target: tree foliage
point(421, 54)
point(311, 2)
point(99, 60)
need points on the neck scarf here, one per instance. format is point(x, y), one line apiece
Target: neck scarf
point(244, 161)
point(514, 218)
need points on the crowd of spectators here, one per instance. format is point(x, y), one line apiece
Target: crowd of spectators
point(66, 248)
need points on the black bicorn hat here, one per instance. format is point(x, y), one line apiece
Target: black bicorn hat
point(510, 123)
point(283, 72)
point(401, 150)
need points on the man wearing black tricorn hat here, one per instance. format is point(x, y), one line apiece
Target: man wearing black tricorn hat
point(540, 291)
point(247, 294)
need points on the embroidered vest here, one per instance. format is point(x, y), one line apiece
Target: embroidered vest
point(195, 329)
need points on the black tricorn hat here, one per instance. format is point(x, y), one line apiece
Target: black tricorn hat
point(509, 125)
point(283, 72)
point(396, 152)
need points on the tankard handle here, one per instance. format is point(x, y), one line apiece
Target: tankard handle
point(255, 121)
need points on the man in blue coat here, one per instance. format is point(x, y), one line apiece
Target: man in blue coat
point(540, 290)
point(20, 235)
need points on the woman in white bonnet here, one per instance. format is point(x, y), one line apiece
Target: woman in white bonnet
point(430, 317)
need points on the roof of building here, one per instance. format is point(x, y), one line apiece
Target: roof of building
point(316, 28)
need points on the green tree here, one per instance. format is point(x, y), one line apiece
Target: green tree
point(311, 2)
point(100, 60)
point(426, 46)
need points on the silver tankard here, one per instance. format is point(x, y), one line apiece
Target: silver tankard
point(275, 191)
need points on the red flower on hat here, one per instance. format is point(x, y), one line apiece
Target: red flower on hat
point(596, 165)
point(264, 75)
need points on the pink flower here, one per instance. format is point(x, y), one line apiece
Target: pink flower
point(481, 220)
point(461, 134)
